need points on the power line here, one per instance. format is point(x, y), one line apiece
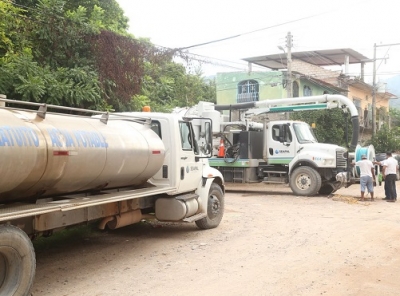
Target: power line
point(262, 29)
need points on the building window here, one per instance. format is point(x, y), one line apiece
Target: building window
point(248, 91)
point(307, 91)
point(295, 89)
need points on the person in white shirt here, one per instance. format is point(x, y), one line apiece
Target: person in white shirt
point(382, 163)
point(367, 176)
point(389, 170)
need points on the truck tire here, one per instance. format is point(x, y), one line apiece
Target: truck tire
point(305, 181)
point(17, 261)
point(215, 208)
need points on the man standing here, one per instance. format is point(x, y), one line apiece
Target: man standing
point(390, 166)
point(382, 163)
point(367, 176)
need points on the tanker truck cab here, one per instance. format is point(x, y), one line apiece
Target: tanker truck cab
point(185, 156)
point(281, 142)
point(310, 165)
point(60, 170)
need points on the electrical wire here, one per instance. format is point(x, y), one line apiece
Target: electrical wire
point(262, 29)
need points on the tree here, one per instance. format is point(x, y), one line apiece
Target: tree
point(106, 13)
point(386, 139)
point(394, 114)
point(330, 125)
point(168, 85)
point(50, 63)
point(12, 37)
point(78, 53)
point(110, 15)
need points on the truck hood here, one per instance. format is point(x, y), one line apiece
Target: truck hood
point(319, 149)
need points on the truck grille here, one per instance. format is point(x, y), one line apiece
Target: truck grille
point(341, 160)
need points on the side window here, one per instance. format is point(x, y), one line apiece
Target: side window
point(156, 127)
point(186, 138)
point(275, 132)
point(281, 133)
point(287, 133)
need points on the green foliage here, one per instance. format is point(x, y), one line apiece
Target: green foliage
point(22, 78)
point(330, 125)
point(11, 29)
point(105, 14)
point(78, 53)
point(394, 114)
point(61, 40)
point(386, 139)
point(168, 86)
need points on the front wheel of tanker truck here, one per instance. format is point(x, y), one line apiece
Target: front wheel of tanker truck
point(305, 181)
point(17, 261)
point(215, 208)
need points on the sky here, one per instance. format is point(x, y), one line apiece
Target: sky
point(262, 26)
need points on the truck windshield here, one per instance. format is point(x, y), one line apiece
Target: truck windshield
point(304, 133)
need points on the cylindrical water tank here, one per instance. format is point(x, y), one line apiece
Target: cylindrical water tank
point(369, 151)
point(64, 154)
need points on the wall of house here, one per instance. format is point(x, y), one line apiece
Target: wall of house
point(270, 86)
point(359, 95)
point(363, 101)
point(269, 83)
point(316, 88)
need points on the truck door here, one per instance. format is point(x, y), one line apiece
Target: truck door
point(190, 168)
point(281, 145)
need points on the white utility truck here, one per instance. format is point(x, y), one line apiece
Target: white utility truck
point(251, 148)
point(59, 170)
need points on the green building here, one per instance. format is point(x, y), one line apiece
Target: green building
point(241, 87)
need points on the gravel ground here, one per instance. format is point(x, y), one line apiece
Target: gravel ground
point(270, 242)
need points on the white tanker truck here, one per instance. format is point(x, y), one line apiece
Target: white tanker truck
point(60, 169)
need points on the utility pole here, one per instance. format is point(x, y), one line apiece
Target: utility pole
point(289, 83)
point(374, 87)
point(374, 95)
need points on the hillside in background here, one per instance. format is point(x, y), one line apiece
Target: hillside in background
point(393, 86)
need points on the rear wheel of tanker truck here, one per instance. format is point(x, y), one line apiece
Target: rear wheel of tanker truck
point(215, 208)
point(17, 261)
point(305, 181)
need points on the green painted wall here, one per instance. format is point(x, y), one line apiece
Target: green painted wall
point(316, 89)
point(270, 86)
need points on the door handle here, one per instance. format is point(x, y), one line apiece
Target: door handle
point(184, 158)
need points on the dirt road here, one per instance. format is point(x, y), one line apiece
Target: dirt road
point(267, 244)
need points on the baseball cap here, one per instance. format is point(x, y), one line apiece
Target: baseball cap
point(363, 156)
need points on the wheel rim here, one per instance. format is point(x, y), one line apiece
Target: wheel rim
point(214, 206)
point(303, 181)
